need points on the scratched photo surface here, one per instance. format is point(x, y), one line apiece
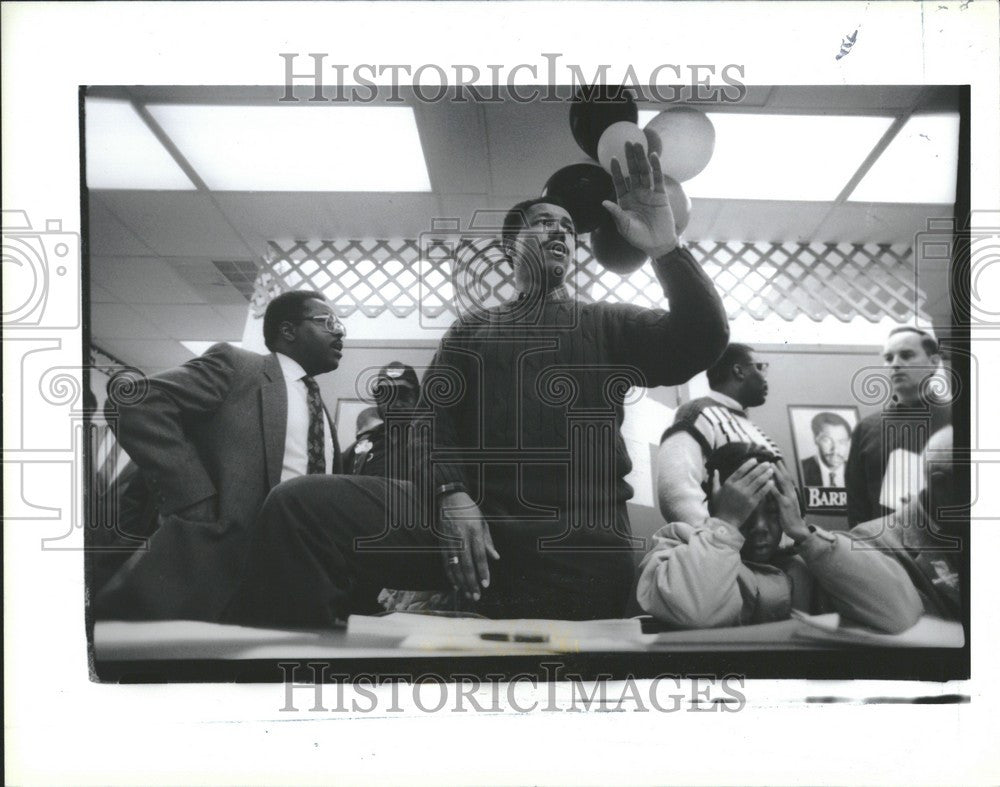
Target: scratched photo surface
point(544, 379)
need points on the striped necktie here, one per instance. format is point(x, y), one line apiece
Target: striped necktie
point(316, 455)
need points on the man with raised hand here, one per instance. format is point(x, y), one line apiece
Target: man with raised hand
point(523, 460)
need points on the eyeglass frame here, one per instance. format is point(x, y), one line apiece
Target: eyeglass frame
point(335, 327)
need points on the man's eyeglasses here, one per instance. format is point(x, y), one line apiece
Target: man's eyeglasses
point(760, 366)
point(330, 322)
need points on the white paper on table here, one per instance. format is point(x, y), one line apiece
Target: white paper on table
point(928, 632)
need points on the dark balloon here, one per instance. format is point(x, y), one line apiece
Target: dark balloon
point(596, 107)
point(613, 251)
point(581, 188)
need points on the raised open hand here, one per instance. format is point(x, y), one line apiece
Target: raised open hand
point(643, 213)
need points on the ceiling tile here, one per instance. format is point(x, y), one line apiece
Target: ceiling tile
point(100, 295)
point(193, 322)
point(118, 320)
point(878, 223)
point(142, 280)
point(703, 214)
point(151, 356)
point(845, 98)
point(265, 215)
point(455, 149)
point(107, 235)
point(174, 223)
point(528, 143)
point(234, 315)
point(765, 221)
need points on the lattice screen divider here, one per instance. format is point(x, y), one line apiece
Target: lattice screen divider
point(846, 281)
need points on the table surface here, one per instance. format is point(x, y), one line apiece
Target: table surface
point(417, 636)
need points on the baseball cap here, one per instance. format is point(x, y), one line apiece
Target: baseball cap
point(398, 373)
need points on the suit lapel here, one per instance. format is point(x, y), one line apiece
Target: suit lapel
point(274, 415)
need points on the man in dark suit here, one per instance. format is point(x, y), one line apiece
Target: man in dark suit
point(212, 437)
point(832, 434)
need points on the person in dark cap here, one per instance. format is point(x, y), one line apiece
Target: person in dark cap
point(397, 390)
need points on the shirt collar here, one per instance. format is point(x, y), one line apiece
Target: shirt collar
point(728, 401)
point(290, 368)
point(557, 294)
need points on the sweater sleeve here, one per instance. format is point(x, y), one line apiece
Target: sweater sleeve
point(680, 471)
point(669, 348)
point(690, 577)
point(864, 583)
point(446, 385)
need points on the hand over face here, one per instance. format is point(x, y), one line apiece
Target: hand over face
point(743, 491)
point(643, 213)
point(789, 512)
point(467, 544)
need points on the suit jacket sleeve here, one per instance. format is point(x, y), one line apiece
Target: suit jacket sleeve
point(155, 431)
point(669, 348)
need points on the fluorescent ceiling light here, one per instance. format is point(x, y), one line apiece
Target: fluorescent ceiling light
point(199, 347)
point(783, 157)
point(920, 164)
point(122, 153)
point(249, 148)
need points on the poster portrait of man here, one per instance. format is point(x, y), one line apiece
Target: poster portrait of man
point(822, 440)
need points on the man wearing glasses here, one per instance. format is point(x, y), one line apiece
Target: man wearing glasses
point(738, 381)
point(212, 437)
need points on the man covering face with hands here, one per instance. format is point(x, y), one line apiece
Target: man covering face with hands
point(729, 570)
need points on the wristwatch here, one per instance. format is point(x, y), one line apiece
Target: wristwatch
point(447, 489)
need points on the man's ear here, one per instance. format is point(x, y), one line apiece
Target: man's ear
point(287, 331)
point(738, 373)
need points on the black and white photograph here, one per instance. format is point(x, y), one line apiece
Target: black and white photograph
point(822, 440)
point(500, 392)
point(370, 363)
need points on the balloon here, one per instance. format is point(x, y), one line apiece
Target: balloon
point(612, 143)
point(581, 188)
point(687, 141)
point(594, 109)
point(653, 142)
point(680, 203)
point(614, 252)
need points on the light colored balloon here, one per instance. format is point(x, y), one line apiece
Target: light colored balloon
point(687, 141)
point(612, 143)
